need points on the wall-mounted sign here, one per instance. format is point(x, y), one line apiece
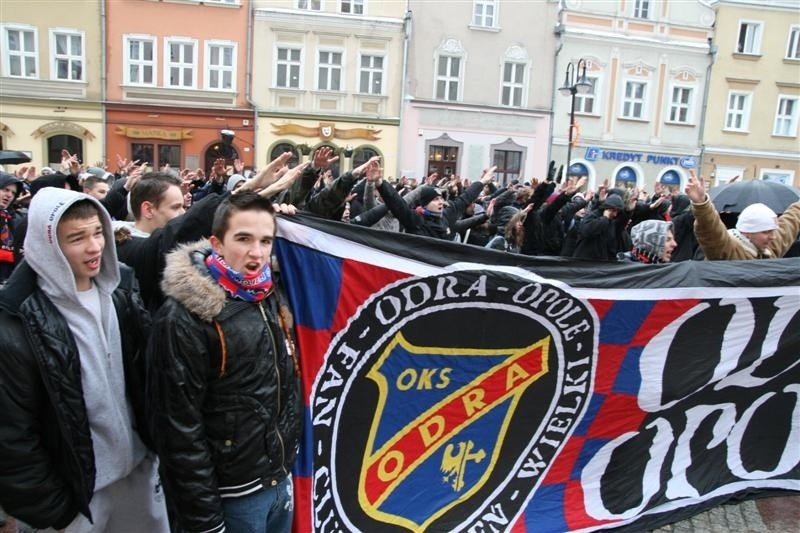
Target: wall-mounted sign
point(326, 131)
point(594, 153)
point(153, 133)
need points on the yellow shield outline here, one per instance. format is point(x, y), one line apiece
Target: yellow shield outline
point(370, 454)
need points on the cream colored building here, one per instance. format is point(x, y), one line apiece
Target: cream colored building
point(647, 62)
point(328, 73)
point(51, 80)
point(751, 126)
point(479, 89)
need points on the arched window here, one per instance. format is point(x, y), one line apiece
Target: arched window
point(578, 169)
point(672, 180)
point(217, 150)
point(362, 154)
point(280, 148)
point(56, 143)
point(334, 168)
point(626, 177)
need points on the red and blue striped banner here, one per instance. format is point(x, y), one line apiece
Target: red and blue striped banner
point(452, 388)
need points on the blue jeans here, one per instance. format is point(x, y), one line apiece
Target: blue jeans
point(266, 511)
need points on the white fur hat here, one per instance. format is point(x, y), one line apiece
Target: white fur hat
point(755, 218)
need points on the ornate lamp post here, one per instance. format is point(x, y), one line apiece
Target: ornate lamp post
point(572, 87)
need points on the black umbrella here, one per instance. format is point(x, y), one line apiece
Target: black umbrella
point(13, 157)
point(736, 196)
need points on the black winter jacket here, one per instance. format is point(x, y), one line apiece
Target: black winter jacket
point(443, 227)
point(47, 467)
point(223, 391)
point(146, 256)
point(602, 238)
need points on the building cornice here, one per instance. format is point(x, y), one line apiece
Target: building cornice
point(635, 40)
point(630, 146)
point(138, 107)
point(479, 108)
point(293, 18)
point(390, 121)
point(725, 150)
point(773, 5)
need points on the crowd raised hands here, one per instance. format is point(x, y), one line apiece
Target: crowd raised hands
point(561, 206)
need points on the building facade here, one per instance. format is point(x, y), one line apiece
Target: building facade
point(647, 62)
point(478, 89)
point(328, 73)
point(751, 127)
point(51, 73)
point(178, 76)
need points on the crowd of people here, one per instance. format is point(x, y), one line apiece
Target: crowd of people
point(149, 378)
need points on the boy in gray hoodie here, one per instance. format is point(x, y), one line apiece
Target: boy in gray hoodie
point(73, 328)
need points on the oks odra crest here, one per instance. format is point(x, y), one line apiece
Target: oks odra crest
point(444, 397)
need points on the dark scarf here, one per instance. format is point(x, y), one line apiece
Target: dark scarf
point(248, 288)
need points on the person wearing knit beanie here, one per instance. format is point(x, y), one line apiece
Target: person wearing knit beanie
point(653, 241)
point(427, 195)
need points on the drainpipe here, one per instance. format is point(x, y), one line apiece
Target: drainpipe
point(407, 28)
point(103, 78)
point(712, 52)
point(249, 81)
point(559, 31)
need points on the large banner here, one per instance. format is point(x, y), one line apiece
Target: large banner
point(452, 388)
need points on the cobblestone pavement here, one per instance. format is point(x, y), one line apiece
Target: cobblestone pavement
point(779, 514)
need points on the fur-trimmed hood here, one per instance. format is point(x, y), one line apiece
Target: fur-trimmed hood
point(187, 280)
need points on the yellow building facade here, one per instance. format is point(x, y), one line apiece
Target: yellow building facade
point(328, 74)
point(51, 75)
point(751, 127)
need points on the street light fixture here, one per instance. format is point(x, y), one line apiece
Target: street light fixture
point(572, 87)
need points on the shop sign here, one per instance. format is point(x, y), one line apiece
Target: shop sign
point(153, 133)
point(594, 153)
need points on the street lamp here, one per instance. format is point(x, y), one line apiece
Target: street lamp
point(571, 88)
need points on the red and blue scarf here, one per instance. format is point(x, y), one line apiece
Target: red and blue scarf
point(248, 288)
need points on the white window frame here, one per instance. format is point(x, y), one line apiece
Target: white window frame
point(594, 96)
point(758, 32)
point(513, 86)
point(23, 54)
point(633, 101)
point(787, 176)
point(308, 5)
point(182, 41)
point(689, 106)
point(371, 71)
point(288, 63)
point(126, 60)
point(640, 6)
point(478, 20)
point(54, 59)
point(362, 4)
point(725, 173)
point(331, 67)
point(226, 2)
point(221, 68)
point(790, 119)
point(448, 78)
point(745, 111)
point(793, 44)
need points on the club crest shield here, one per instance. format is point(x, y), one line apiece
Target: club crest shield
point(433, 424)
